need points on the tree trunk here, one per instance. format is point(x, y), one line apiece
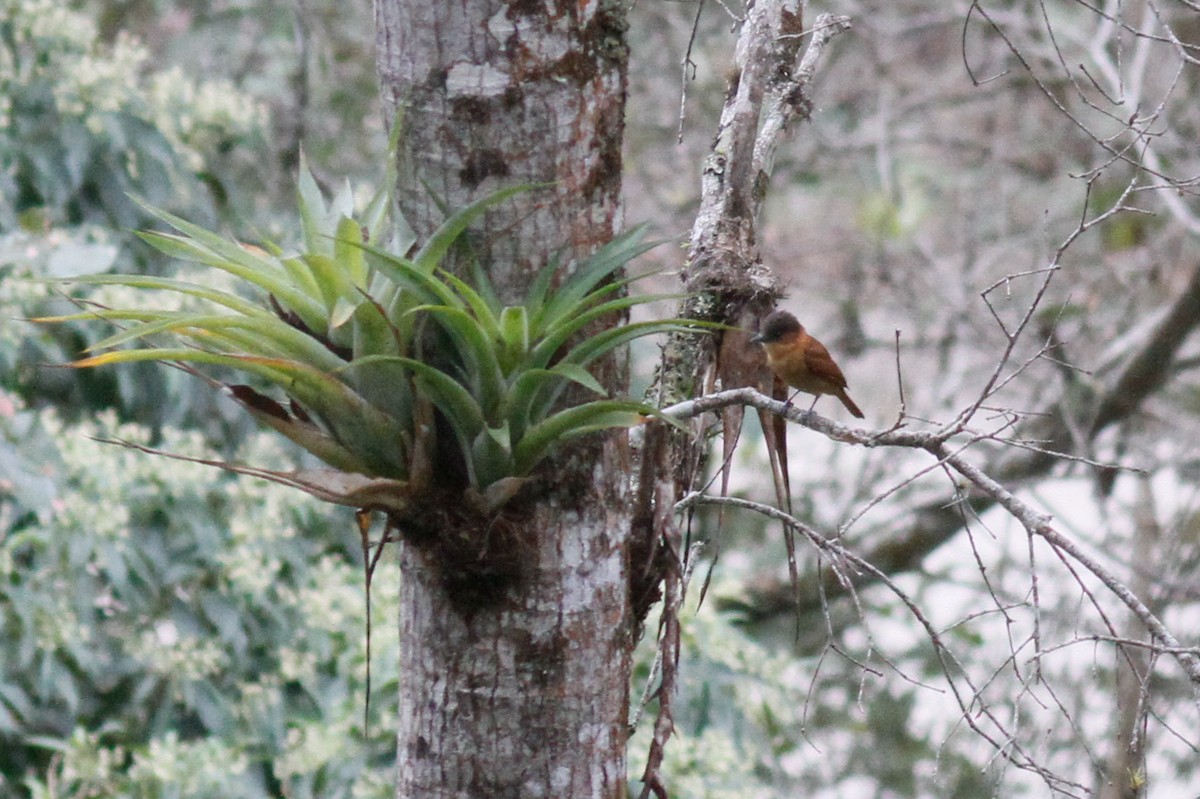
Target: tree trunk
point(1124, 775)
point(491, 94)
point(523, 692)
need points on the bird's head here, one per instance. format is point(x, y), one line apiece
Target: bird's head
point(776, 327)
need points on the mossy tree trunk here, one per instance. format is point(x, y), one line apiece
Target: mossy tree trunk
point(519, 687)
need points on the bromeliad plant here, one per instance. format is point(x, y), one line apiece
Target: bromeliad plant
point(377, 351)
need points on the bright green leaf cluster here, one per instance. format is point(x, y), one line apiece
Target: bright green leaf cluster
point(371, 344)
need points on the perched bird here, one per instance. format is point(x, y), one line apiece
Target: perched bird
point(800, 360)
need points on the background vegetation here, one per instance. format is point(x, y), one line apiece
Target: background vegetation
point(171, 630)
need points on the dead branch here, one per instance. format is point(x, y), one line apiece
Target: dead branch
point(1145, 370)
point(1035, 523)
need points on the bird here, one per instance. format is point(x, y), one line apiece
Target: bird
point(800, 360)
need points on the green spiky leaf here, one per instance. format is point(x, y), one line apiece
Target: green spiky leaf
point(478, 353)
point(590, 417)
point(514, 335)
point(431, 254)
point(592, 272)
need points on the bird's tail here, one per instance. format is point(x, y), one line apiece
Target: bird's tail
point(849, 403)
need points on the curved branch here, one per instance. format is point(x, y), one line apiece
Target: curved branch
point(1035, 523)
point(1150, 367)
point(936, 523)
point(973, 711)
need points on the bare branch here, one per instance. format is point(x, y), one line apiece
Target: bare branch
point(789, 98)
point(1034, 522)
point(974, 711)
point(1150, 366)
point(1039, 524)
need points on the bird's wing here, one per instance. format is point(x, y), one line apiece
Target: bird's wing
point(821, 364)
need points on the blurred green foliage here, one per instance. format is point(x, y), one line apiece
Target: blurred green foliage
point(169, 631)
point(83, 124)
point(310, 65)
point(86, 126)
point(176, 632)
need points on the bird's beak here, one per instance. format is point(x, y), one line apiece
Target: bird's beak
point(756, 338)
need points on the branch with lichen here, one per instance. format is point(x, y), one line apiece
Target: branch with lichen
point(936, 443)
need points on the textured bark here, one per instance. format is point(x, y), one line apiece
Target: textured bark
point(521, 691)
point(496, 93)
point(529, 697)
